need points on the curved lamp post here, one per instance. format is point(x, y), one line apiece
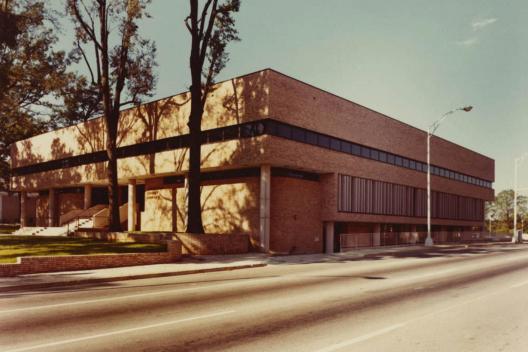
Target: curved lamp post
point(430, 132)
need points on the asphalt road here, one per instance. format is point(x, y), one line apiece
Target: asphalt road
point(445, 300)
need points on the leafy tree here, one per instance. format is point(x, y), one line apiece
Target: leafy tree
point(120, 69)
point(501, 210)
point(31, 74)
point(212, 27)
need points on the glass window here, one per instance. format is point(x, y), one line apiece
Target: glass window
point(398, 161)
point(311, 137)
point(259, 128)
point(231, 133)
point(442, 172)
point(405, 162)
point(383, 156)
point(356, 149)
point(346, 147)
point(374, 154)
point(412, 164)
point(298, 135)
point(323, 141)
point(284, 131)
point(271, 127)
point(335, 144)
point(390, 158)
point(215, 136)
point(365, 152)
point(247, 131)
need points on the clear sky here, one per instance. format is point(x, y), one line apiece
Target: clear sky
point(410, 59)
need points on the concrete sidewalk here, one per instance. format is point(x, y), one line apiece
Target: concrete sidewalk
point(204, 264)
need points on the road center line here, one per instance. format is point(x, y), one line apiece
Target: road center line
point(119, 332)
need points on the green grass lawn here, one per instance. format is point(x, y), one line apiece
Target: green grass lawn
point(12, 247)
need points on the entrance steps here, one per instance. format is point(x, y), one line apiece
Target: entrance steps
point(70, 222)
point(41, 231)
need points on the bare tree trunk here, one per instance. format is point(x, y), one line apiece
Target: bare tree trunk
point(194, 212)
point(113, 185)
point(113, 189)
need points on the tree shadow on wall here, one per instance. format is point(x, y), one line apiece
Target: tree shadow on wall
point(46, 179)
point(231, 206)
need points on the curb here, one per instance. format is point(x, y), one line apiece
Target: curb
point(128, 277)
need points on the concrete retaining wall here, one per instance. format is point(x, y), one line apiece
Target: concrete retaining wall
point(31, 265)
point(202, 244)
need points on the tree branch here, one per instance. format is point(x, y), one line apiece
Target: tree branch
point(205, 40)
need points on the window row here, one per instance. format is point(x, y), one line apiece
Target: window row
point(302, 135)
point(359, 195)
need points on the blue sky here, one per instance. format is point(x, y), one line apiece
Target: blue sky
point(410, 59)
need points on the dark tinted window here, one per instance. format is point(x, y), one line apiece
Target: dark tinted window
point(374, 154)
point(406, 163)
point(383, 156)
point(346, 147)
point(365, 152)
point(323, 141)
point(335, 144)
point(390, 158)
point(356, 149)
point(230, 133)
point(412, 164)
point(284, 131)
point(215, 136)
point(398, 161)
point(247, 131)
point(298, 135)
point(311, 138)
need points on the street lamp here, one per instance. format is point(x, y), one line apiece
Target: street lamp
point(516, 238)
point(430, 132)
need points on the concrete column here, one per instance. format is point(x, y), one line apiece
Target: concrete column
point(52, 204)
point(265, 192)
point(376, 238)
point(87, 196)
point(23, 209)
point(329, 237)
point(132, 205)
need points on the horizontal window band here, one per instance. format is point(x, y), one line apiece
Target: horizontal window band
point(248, 130)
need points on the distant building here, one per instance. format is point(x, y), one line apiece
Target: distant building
point(282, 161)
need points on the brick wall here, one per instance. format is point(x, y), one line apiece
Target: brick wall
point(206, 244)
point(295, 219)
point(203, 244)
point(31, 265)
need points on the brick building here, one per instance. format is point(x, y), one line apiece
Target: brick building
point(282, 161)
